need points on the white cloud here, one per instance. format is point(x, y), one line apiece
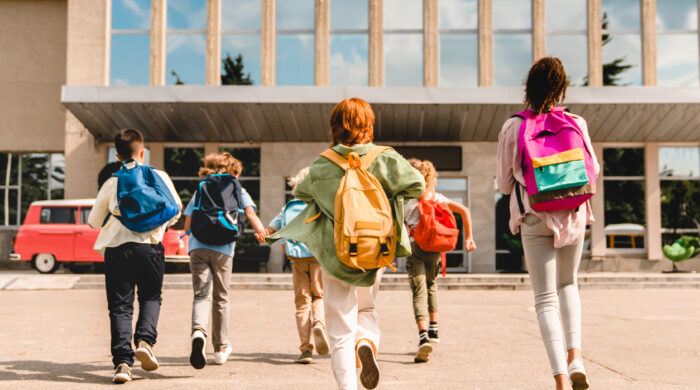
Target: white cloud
point(403, 14)
point(458, 14)
point(512, 14)
point(241, 14)
point(196, 43)
point(348, 71)
point(403, 59)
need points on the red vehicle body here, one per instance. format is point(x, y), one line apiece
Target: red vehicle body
point(57, 231)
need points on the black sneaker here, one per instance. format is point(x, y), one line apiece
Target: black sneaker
point(433, 333)
point(424, 349)
point(122, 374)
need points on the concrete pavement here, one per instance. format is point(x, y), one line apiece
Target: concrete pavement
point(633, 339)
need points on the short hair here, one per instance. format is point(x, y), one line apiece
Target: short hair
point(296, 179)
point(128, 143)
point(107, 172)
point(427, 169)
point(352, 122)
point(546, 84)
point(220, 163)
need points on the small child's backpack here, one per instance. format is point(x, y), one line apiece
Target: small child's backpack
point(436, 230)
point(557, 166)
point(365, 235)
point(217, 217)
point(294, 250)
point(145, 201)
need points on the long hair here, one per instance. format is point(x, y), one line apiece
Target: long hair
point(546, 85)
point(296, 179)
point(352, 122)
point(427, 169)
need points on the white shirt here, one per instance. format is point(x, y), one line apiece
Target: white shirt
point(113, 233)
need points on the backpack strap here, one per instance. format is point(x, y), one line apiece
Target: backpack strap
point(336, 158)
point(372, 155)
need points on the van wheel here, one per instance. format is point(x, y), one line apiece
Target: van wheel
point(45, 263)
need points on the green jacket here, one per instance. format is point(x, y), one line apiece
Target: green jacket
point(400, 182)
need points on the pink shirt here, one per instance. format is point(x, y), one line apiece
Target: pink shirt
point(567, 225)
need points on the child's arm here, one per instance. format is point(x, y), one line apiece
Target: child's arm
point(469, 244)
point(188, 222)
point(100, 209)
point(255, 220)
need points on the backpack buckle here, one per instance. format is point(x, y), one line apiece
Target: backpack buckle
point(385, 249)
point(353, 250)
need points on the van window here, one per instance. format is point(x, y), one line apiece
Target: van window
point(84, 214)
point(58, 214)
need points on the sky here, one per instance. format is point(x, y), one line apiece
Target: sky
point(403, 52)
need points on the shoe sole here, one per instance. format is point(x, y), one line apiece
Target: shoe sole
point(320, 341)
point(148, 362)
point(579, 381)
point(435, 341)
point(423, 354)
point(369, 376)
point(119, 379)
point(304, 361)
point(197, 358)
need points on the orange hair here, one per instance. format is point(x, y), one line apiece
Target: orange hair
point(352, 122)
point(220, 163)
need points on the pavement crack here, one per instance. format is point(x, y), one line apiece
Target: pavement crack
point(619, 373)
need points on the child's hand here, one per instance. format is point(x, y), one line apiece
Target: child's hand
point(469, 244)
point(260, 237)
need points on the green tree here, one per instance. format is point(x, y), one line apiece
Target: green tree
point(178, 81)
point(233, 73)
point(613, 69)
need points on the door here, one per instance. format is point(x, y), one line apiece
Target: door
point(455, 188)
point(56, 232)
point(85, 238)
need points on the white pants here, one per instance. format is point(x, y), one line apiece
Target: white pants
point(350, 317)
point(553, 278)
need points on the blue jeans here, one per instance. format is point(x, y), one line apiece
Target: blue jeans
point(128, 266)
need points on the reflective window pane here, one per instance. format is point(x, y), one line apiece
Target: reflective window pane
point(350, 14)
point(450, 184)
point(679, 161)
point(459, 60)
point(572, 50)
point(348, 59)
point(512, 14)
point(403, 59)
point(295, 59)
point(622, 14)
point(241, 14)
point(187, 14)
point(248, 46)
point(512, 58)
point(677, 14)
point(680, 205)
point(186, 56)
point(628, 49)
point(403, 14)
point(295, 15)
point(623, 162)
point(566, 15)
point(458, 14)
point(130, 59)
point(677, 60)
point(131, 14)
point(624, 202)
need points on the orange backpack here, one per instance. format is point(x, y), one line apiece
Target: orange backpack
point(365, 236)
point(436, 230)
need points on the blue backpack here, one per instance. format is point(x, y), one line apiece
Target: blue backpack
point(145, 201)
point(217, 217)
point(295, 250)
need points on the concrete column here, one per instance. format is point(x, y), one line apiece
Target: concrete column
point(478, 167)
point(376, 43)
point(213, 76)
point(649, 42)
point(157, 153)
point(267, 43)
point(430, 43)
point(159, 25)
point(595, 44)
point(598, 240)
point(652, 186)
point(539, 30)
point(323, 47)
point(485, 43)
point(87, 59)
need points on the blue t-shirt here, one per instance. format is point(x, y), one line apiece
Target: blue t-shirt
point(226, 249)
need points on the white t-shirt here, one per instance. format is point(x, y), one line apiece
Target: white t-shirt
point(411, 215)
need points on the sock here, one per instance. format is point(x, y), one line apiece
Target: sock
point(423, 336)
point(433, 326)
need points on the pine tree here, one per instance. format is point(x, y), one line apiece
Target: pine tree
point(233, 71)
point(178, 81)
point(612, 70)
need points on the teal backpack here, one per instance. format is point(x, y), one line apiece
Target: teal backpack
point(294, 250)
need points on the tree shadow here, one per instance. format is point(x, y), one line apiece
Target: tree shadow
point(66, 372)
point(277, 359)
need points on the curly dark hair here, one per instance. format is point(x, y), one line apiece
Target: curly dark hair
point(546, 84)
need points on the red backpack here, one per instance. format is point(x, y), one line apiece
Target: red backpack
point(436, 230)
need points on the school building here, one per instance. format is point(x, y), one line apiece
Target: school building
point(441, 75)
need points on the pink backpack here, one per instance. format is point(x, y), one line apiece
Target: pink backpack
point(557, 166)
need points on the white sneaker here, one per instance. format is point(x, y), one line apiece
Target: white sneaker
point(198, 356)
point(320, 339)
point(221, 357)
point(369, 375)
point(577, 373)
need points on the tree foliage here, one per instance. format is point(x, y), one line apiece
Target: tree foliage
point(613, 70)
point(233, 73)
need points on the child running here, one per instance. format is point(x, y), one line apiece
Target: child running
point(350, 292)
point(130, 239)
point(212, 244)
point(422, 265)
point(306, 276)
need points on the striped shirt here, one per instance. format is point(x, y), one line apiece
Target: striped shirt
point(411, 215)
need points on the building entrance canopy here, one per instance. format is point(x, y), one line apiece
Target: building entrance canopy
point(300, 114)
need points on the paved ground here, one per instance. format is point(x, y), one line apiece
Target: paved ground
point(633, 339)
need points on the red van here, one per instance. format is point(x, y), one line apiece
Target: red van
point(57, 231)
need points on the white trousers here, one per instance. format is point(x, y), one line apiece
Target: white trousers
point(553, 278)
point(350, 317)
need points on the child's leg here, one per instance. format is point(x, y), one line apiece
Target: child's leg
point(367, 317)
point(417, 279)
point(302, 301)
point(340, 303)
point(221, 267)
point(432, 268)
point(316, 283)
point(201, 285)
point(149, 280)
point(120, 302)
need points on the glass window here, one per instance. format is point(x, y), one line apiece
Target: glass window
point(681, 162)
point(567, 37)
point(457, 14)
point(187, 14)
point(185, 46)
point(296, 22)
point(512, 15)
point(622, 42)
point(677, 42)
point(130, 46)
point(459, 50)
point(349, 15)
point(680, 192)
point(240, 41)
point(58, 215)
point(509, 249)
point(182, 164)
point(241, 15)
point(624, 198)
point(455, 189)
point(84, 215)
point(403, 42)
point(349, 45)
point(512, 41)
point(296, 15)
